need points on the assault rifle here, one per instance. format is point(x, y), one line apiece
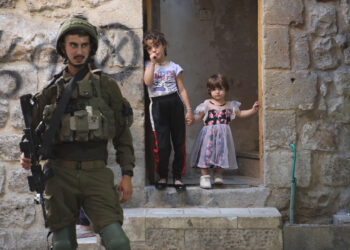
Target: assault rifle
point(30, 146)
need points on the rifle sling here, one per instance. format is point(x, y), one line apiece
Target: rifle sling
point(46, 149)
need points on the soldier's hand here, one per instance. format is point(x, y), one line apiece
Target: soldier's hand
point(125, 188)
point(26, 162)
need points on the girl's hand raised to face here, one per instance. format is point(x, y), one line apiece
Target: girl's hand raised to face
point(153, 58)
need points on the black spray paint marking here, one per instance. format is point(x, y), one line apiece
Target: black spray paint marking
point(53, 57)
point(11, 48)
point(131, 37)
point(17, 82)
point(51, 64)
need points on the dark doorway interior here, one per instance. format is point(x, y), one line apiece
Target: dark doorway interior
point(207, 37)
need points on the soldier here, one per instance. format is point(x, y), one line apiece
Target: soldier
point(96, 112)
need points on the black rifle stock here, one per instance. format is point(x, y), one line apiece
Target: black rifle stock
point(30, 145)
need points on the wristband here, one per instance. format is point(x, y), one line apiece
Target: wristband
point(128, 172)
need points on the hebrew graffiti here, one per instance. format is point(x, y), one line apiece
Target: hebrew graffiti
point(118, 45)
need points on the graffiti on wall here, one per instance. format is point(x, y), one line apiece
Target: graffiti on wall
point(44, 56)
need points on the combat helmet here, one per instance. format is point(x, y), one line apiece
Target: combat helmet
point(77, 23)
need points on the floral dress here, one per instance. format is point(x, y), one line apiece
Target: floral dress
point(214, 145)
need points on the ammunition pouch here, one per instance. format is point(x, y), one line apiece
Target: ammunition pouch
point(87, 116)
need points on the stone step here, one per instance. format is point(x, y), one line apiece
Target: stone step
point(90, 243)
point(203, 228)
point(199, 228)
point(226, 196)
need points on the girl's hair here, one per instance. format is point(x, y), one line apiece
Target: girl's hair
point(157, 37)
point(217, 81)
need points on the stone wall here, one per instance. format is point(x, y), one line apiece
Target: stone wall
point(305, 87)
point(27, 61)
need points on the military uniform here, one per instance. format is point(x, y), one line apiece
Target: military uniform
point(80, 117)
point(96, 112)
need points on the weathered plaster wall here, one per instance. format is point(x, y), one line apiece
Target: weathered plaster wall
point(305, 85)
point(27, 60)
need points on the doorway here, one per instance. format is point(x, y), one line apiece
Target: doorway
point(207, 37)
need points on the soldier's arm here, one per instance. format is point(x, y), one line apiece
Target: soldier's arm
point(123, 140)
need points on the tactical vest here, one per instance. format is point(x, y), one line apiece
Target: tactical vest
point(87, 116)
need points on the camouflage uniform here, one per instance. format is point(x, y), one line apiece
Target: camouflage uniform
point(80, 176)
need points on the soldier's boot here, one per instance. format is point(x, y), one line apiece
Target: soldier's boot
point(114, 238)
point(64, 239)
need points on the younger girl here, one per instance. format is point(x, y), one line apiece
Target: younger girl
point(168, 95)
point(214, 147)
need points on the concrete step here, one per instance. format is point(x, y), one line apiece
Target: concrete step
point(199, 229)
point(230, 178)
point(203, 228)
point(225, 196)
point(90, 243)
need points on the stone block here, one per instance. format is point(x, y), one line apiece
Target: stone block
point(283, 12)
point(342, 81)
point(165, 239)
point(320, 135)
point(276, 48)
point(18, 80)
point(206, 228)
point(279, 129)
point(18, 180)
point(344, 144)
point(288, 90)
point(315, 237)
point(338, 107)
point(233, 239)
point(344, 199)
point(122, 15)
point(195, 196)
point(90, 243)
point(347, 56)
point(324, 53)
point(7, 239)
point(279, 198)
point(300, 49)
point(259, 222)
point(325, 83)
point(95, 3)
point(132, 89)
point(9, 147)
point(260, 218)
point(317, 203)
point(40, 5)
point(23, 39)
point(135, 228)
point(192, 222)
point(24, 238)
point(8, 4)
point(18, 211)
point(278, 168)
point(323, 19)
point(335, 170)
point(139, 246)
point(4, 112)
point(2, 179)
point(17, 121)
